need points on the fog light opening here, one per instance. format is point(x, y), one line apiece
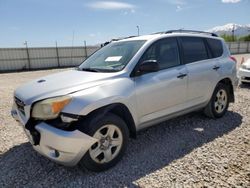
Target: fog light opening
point(57, 154)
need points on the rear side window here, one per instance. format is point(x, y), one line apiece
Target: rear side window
point(194, 49)
point(215, 47)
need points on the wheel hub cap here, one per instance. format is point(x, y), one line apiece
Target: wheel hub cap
point(220, 101)
point(109, 144)
point(105, 143)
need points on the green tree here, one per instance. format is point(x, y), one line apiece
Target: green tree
point(245, 38)
point(229, 38)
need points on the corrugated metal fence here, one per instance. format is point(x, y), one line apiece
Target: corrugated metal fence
point(239, 47)
point(12, 59)
point(39, 58)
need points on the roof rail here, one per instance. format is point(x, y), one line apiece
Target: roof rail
point(121, 38)
point(116, 39)
point(190, 31)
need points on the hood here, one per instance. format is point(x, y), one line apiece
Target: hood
point(247, 63)
point(59, 84)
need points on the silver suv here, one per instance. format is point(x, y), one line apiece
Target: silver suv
point(86, 115)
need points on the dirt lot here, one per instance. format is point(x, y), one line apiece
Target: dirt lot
point(189, 151)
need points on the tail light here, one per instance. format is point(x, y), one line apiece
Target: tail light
point(233, 58)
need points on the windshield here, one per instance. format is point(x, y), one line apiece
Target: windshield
point(113, 57)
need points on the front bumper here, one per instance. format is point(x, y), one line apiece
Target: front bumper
point(244, 75)
point(64, 147)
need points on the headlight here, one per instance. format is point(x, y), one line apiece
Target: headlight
point(50, 108)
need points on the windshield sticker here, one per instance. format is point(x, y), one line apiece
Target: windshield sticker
point(113, 58)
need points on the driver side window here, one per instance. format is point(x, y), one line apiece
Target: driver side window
point(165, 52)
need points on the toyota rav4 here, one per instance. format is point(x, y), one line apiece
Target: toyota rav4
point(86, 115)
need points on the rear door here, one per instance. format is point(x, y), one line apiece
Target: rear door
point(202, 69)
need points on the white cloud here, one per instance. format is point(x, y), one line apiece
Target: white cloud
point(177, 2)
point(110, 5)
point(14, 28)
point(92, 34)
point(230, 1)
point(178, 8)
point(127, 12)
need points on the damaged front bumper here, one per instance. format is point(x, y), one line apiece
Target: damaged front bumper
point(64, 147)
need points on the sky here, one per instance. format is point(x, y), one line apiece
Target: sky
point(42, 23)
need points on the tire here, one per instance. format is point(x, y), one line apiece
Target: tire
point(219, 102)
point(113, 135)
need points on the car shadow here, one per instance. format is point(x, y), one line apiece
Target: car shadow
point(153, 149)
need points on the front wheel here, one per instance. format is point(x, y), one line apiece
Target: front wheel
point(112, 134)
point(219, 102)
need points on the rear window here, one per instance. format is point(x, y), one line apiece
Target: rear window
point(194, 49)
point(215, 47)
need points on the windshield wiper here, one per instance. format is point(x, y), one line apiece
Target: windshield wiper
point(90, 69)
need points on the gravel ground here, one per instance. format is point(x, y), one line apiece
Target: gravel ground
point(240, 56)
point(189, 151)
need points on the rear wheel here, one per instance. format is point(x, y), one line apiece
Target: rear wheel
point(219, 102)
point(112, 134)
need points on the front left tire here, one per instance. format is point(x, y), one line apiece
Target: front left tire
point(112, 134)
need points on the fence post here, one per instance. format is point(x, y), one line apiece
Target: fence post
point(248, 47)
point(28, 55)
point(57, 56)
point(238, 47)
point(229, 46)
point(85, 48)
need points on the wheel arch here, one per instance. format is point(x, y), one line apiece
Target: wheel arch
point(227, 81)
point(118, 109)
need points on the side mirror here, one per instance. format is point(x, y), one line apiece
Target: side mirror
point(149, 66)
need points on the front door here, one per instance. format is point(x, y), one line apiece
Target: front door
point(163, 92)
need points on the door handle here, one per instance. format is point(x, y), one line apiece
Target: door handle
point(216, 67)
point(181, 75)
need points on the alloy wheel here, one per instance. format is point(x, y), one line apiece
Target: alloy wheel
point(109, 144)
point(220, 101)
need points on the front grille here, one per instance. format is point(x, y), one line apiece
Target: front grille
point(245, 78)
point(20, 105)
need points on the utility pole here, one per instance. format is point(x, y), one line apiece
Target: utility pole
point(28, 55)
point(138, 30)
point(73, 37)
point(233, 30)
point(85, 48)
point(57, 56)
